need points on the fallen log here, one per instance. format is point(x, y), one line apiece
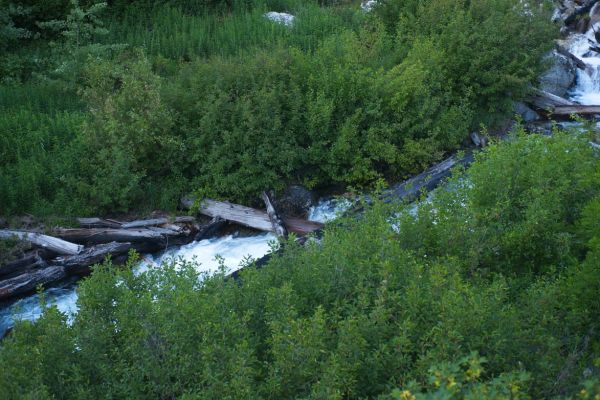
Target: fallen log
point(576, 60)
point(566, 111)
point(143, 240)
point(250, 217)
point(210, 229)
point(22, 265)
point(29, 281)
point(98, 223)
point(156, 222)
point(276, 222)
point(56, 245)
point(428, 180)
point(543, 100)
point(80, 263)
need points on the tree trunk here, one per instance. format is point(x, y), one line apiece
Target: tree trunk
point(47, 242)
point(80, 263)
point(276, 222)
point(29, 281)
point(250, 217)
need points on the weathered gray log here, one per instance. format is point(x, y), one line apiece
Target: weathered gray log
point(250, 217)
point(210, 229)
point(56, 245)
point(277, 224)
point(145, 223)
point(576, 60)
point(105, 235)
point(547, 101)
point(98, 223)
point(427, 181)
point(80, 263)
point(566, 111)
point(24, 264)
point(29, 281)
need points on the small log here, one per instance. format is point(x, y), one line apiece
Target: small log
point(209, 230)
point(29, 281)
point(576, 60)
point(566, 111)
point(250, 217)
point(543, 100)
point(56, 245)
point(24, 264)
point(145, 223)
point(276, 222)
point(98, 223)
point(80, 263)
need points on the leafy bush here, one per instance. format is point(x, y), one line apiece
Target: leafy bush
point(353, 316)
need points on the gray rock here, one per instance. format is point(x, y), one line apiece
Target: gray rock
point(478, 139)
point(595, 15)
point(559, 78)
point(295, 201)
point(526, 113)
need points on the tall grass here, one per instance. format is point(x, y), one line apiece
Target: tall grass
point(169, 32)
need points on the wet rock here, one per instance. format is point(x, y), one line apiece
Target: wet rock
point(281, 18)
point(3, 223)
point(595, 15)
point(296, 201)
point(368, 5)
point(526, 113)
point(478, 139)
point(560, 76)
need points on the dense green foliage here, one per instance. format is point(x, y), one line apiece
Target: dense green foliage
point(110, 107)
point(368, 312)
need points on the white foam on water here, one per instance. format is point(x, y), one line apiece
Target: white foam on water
point(328, 209)
point(587, 87)
point(233, 250)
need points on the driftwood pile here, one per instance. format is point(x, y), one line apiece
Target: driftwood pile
point(71, 252)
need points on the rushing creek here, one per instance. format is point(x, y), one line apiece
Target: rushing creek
point(235, 249)
point(587, 87)
point(232, 249)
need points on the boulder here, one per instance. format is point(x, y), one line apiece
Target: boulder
point(561, 75)
point(526, 113)
point(296, 201)
point(281, 18)
point(595, 15)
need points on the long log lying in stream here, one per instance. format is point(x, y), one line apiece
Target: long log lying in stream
point(56, 245)
point(250, 217)
point(567, 111)
point(428, 180)
point(543, 100)
point(80, 264)
point(143, 240)
point(29, 281)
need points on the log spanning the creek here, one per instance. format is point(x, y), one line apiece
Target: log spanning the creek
point(250, 217)
point(56, 245)
point(567, 111)
point(80, 264)
point(28, 282)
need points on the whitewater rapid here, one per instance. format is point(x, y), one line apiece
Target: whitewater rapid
point(233, 250)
